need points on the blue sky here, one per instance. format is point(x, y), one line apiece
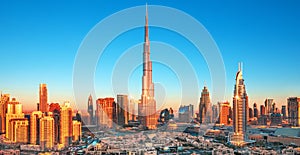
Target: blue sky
point(39, 41)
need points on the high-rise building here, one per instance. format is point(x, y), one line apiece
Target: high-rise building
point(268, 106)
point(205, 109)
point(224, 113)
point(215, 113)
point(186, 113)
point(147, 107)
point(250, 110)
point(43, 105)
point(106, 112)
point(90, 109)
point(262, 110)
point(47, 132)
point(3, 108)
point(35, 117)
point(294, 111)
point(55, 109)
point(14, 111)
point(76, 130)
point(240, 102)
point(283, 111)
point(122, 110)
point(66, 124)
point(18, 130)
point(255, 110)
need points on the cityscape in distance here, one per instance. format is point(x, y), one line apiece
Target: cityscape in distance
point(143, 115)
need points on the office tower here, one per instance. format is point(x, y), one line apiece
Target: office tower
point(250, 110)
point(55, 109)
point(90, 110)
point(240, 100)
point(268, 106)
point(186, 113)
point(255, 110)
point(47, 132)
point(132, 109)
point(205, 108)
point(262, 110)
point(3, 108)
point(43, 105)
point(294, 111)
point(215, 113)
point(35, 117)
point(276, 119)
point(122, 110)
point(224, 113)
point(66, 124)
point(147, 107)
point(283, 111)
point(14, 111)
point(18, 130)
point(76, 130)
point(106, 112)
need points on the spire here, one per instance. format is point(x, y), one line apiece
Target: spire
point(146, 24)
point(240, 66)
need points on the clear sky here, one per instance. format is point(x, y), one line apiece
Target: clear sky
point(40, 39)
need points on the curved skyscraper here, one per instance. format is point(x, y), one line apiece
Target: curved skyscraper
point(147, 106)
point(240, 109)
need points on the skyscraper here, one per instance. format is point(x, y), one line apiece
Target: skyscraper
point(43, 105)
point(240, 102)
point(66, 124)
point(205, 109)
point(35, 117)
point(47, 132)
point(147, 107)
point(18, 130)
point(106, 112)
point(186, 113)
point(262, 110)
point(122, 110)
point(224, 113)
point(14, 111)
point(76, 130)
point(91, 109)
point(3, 108)
point(283, 111)
point(268, 106)
point(294, 111)
point(255, 110)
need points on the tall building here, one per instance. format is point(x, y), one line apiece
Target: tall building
point(18, 130)
point(90, 109)
point(215, 113)
point(240, 102)
point(66, 124)
point(55, 109)
point(106, 112)
point(122, 110)
point(262, 110)
point(147, 107)
point(76, 131)
point(186, 113)
point(283, 111)
point(255, 110)
point(14, 111)
point(43, 105)
point(47, 132)
point(294, 111)
point(224, 113)
point(268, 106)
point(250, 110)
point(205, 108)
point(35, 117)
point(3, 109)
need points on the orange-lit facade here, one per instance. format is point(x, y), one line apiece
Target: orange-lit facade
point(122, 109)
point(76, 130)
point(66, 124)
point(147, 106)
point(18, 130)
point(43, 105)
point(14, 111)
point(224, 113)
point(3, 108)
point(35, 117)
point(106, 112)
point(205, 109)
point(46, 132)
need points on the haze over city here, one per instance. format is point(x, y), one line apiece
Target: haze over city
point(40, 41)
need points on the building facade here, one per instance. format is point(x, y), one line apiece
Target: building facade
point(47, 137)
point(224, 113)
point(43, 94)
point(90, 111)
point(294, 111)
point(205, 109)
point(66, 124)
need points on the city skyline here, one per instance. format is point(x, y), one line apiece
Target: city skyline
point(271, 60)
